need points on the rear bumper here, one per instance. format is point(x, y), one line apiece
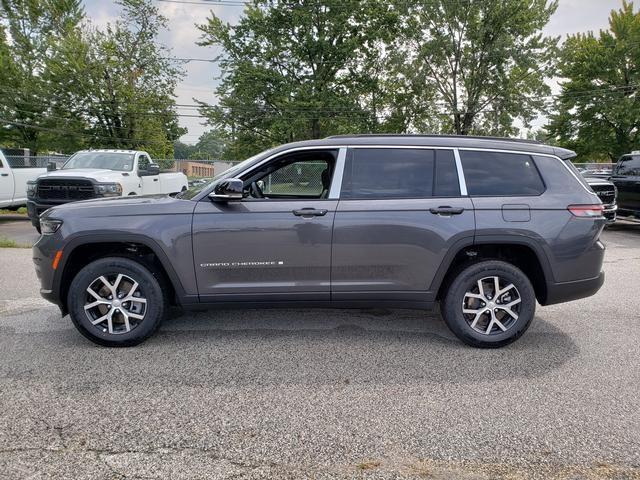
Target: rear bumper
point(568, 291)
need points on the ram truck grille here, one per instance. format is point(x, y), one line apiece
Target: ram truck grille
point(65, 190)
point(607, 193)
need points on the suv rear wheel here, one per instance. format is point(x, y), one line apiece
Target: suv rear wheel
point(116, 302)
point(489, 304)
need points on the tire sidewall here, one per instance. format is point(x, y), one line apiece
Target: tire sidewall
point(465, 280)
point(155, 309)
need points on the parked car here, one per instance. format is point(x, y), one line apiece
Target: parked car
point(482, 226)
point(626, 178)
point(13, 182)
point(607, 193)
point(97, 174)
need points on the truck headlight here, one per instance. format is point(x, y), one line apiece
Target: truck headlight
point(31, 188)
point(109, 189)
point(49, 226)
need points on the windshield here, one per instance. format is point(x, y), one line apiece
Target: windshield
point(228, 173)
point(119, 161)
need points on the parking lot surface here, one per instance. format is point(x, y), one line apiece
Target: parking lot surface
point(324, 393)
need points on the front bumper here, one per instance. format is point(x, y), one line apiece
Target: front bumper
point(35, 209)
point(610, 213)
point(43, 254)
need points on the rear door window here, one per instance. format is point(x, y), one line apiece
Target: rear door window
point(500, 174)
point(399, 173)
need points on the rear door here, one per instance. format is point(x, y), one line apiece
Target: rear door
point(626, 178)
point(401, 210)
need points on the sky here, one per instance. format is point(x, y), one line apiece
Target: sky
point(199, 81)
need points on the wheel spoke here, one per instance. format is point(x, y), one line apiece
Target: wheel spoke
point(505, 290)
point(496, 287)
point(135, 315)
point(474, 295)
point(132, 290)
point(127, 327)
point(481, 289)
point(490, 326)
point(94, 294)
point(472, 311)
point(96, 303)
point(116, 284)
point(101, 319)
point(509, 312)
point(497, 322)
point(475, 320)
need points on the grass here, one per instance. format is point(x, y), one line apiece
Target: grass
point(8, 243)
point(19, 211)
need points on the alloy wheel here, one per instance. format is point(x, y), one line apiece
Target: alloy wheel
point(491, 306)
point(115, 303)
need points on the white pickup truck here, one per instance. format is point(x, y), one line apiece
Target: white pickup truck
point(100, 173)
point(13, 183)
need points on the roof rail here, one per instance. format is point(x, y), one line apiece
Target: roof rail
point(476, 137)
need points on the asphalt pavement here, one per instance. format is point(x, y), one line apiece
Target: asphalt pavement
point(324, 393)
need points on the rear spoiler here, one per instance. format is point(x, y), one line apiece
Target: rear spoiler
point(564, 153)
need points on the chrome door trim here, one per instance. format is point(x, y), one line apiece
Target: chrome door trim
point(338, 172)
point(461, 179)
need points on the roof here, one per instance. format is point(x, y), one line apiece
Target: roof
point(110, 150)
point(459, 141)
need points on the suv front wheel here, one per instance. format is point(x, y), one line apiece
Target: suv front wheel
point(116, 302)
point(489, 304)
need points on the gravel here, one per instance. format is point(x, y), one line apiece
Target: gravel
point(324, 393)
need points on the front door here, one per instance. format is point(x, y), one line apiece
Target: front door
point(274, 243)
point(401, 210)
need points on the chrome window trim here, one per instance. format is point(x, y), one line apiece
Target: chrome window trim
point(338, 172)
point(461, 179)
point(456, 150)
point(205, 192)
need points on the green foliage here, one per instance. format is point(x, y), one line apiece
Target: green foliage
point(211, 146)
point(296, 70)
point(598, 110)
point(31, 36)
point(476, 64)
point(69, 85)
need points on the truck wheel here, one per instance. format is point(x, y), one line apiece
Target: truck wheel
point(489, 304)
point(116, 302)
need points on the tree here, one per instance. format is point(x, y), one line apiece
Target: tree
point(598, 109)
point(32, 32)
point(123, 82)
point(486, 59)
point(295, 70)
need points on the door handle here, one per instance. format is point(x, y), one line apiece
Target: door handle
point(445, 211)
point(4, 174)
point(155, 179)
point(309, 212)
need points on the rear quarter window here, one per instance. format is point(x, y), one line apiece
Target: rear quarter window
point(497, 174)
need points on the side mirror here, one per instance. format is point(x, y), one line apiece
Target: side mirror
point(227, 190)
point(152, 169)
point(51, 167)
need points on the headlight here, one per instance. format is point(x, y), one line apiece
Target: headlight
point(49, 226)
point(109, 189)
point(31, 188)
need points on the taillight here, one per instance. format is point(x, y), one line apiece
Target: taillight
point(586, 210)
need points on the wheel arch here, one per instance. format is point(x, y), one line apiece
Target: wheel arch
point(523, 252)
point(84, 249)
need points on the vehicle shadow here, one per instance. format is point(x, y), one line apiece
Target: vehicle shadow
point(352, 346)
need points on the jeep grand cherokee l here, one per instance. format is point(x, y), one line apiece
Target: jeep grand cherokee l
point(482, 226)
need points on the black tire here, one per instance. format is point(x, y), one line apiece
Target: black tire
point(465, 283)
point(149, 287)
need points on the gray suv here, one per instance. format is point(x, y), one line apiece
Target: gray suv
point(482, 226)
